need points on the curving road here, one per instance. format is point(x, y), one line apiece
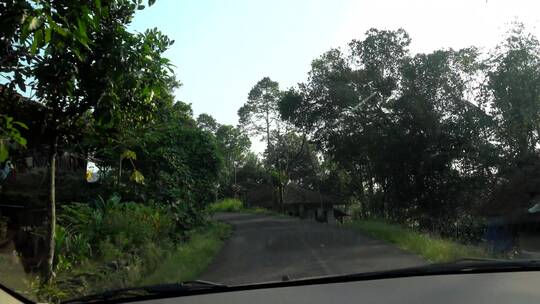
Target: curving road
point(267, 248)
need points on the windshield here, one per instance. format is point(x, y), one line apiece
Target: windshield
point(240, 142)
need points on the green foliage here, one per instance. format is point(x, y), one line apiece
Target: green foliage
point(10, 136)
point(207, 123)
point(86, 70)
point(513, 91)
point(128, 154)
point(188, 160)
point(235, 205)
point(137, 177)
point(252, 173)
point(113, 244)
point(127, 225)
point(72, 248)
point(403, 132)
point(190, 259)
point(430, 247)
point(176, 164)
point(293, 158)
point(119, 241)
point(233, 145)
point(260, 114)
point(227, 205)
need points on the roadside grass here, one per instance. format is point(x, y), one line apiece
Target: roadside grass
point(235, 205)
point(432, 248)
point(227, 205)
point(189, 260)
point(153, 264)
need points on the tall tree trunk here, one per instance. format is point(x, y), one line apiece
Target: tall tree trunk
point(235, 182)
point(267, 130)
point(281, 205)
point(51, 213)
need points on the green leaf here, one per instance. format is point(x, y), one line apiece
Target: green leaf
point(20, 140)
point(77, 53)
point(137, 177)
point(34, 23)
point(48, 32)
point(151, 2)
point(20, 124)
point(82, 28)
point(3, 151)
point(128, 154)
point(24, 33)
point(59, 30)
point(34, 47)
point(97, 3)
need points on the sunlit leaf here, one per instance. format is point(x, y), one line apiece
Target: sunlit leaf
point(20, 124)
point(48, 32)
point(82, 28)
point(34, 23)
point(128, 154)
point(137, 177)
point(3, 151)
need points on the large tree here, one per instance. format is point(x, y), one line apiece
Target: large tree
point(296, 158)
point(83, 66)
point(404, 128)
point(259, 116)
point(234, 145)
point(207, 123)
point(513, 92)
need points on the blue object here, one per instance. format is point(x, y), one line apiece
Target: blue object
point(6, 170)
point(499, 237)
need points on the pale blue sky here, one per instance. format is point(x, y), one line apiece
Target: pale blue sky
point(224, 47)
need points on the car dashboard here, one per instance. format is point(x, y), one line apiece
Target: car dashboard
point(489, 288)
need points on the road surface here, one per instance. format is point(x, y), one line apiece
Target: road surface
point(267, 248)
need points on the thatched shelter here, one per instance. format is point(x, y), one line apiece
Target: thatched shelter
point(297, 201)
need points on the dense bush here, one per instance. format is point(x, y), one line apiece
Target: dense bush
point(179, 161)
point(98, 230)
point(227, 205)
point(114, 244)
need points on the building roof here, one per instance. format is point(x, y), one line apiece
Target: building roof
point(294, 194)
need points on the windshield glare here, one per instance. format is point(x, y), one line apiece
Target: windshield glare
point(154, 142)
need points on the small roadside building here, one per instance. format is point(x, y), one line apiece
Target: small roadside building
point(298, 201)
point(24, 176)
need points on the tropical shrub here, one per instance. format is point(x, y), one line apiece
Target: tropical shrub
point(227, 205)
point(109, 226)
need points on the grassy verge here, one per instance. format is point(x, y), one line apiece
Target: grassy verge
point(192, 258)
point(227, 205)
point(153, 263)
point(431, 248)
point(235, 205)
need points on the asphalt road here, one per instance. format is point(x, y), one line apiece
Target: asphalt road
point(267, 248)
